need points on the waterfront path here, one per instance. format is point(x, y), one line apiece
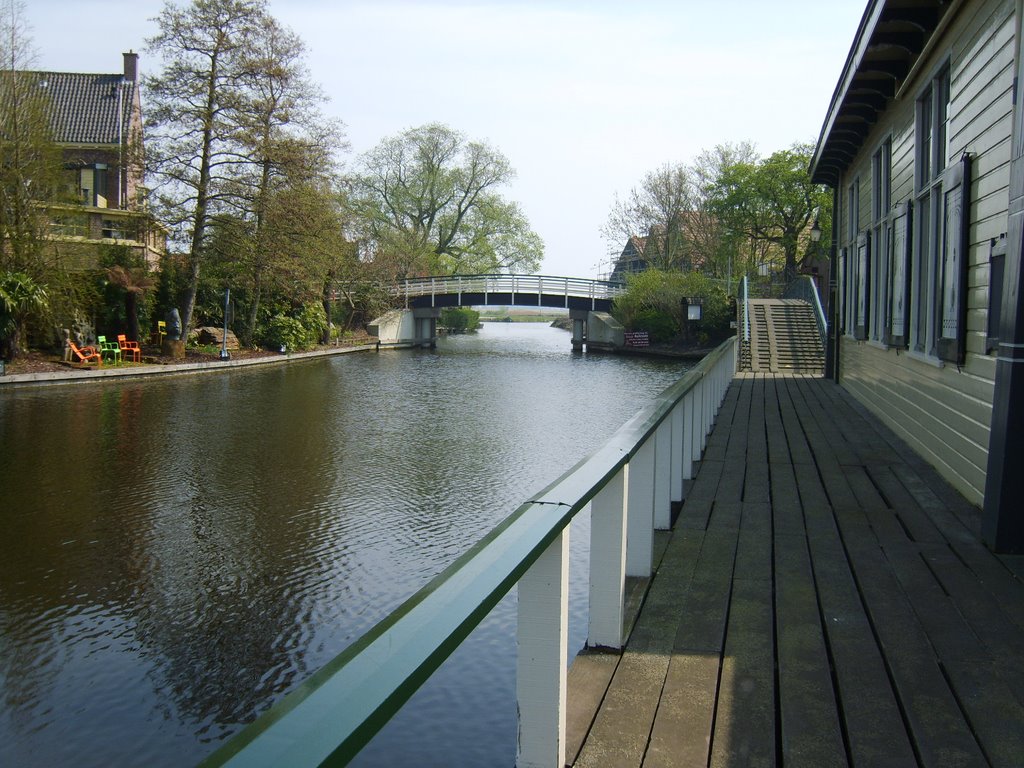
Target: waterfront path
point(823, 600)
point(134, 371)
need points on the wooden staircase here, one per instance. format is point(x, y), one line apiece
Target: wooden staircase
point(784, 337)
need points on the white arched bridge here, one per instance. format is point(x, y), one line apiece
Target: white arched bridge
point(588, 302)
point(509, 290)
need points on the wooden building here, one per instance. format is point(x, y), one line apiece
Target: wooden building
point(922, 146)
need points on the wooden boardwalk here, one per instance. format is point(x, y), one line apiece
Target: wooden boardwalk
point(823, 600)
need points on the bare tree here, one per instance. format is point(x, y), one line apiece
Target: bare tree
point(193, 143)
point(658, 210)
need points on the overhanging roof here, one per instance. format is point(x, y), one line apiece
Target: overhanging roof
point(891, 38)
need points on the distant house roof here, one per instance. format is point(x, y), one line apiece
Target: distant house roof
point(88, 109)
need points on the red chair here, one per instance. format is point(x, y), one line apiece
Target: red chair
point(86, 355)
point(129, 348)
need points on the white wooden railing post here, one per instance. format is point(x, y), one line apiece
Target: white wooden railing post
point(678, 436)
point(663, 476)
point(687, 408)
point(608, 562)
point(698, 421)
point(543, 640)
point(705, 391)
point(640, 512)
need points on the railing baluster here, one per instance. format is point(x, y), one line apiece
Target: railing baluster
point(543, 639)
point(678, 436)
point(640, 512)
point(608, 562)
point(663, 477)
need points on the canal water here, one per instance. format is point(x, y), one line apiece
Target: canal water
point(178, 553)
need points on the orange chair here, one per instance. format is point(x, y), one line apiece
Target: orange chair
point(86, 354)
point(129, 348)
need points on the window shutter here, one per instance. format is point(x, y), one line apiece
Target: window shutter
point(956, 184)
point(899, 291)
point(862, 265)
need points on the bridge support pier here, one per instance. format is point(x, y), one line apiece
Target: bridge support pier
point(425, 323)
point(407, 327)
point(579, 327)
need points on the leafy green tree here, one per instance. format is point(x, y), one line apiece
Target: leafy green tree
point(427, 202)
point(772, 202)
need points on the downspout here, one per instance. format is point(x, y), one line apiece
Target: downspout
point(122, 179)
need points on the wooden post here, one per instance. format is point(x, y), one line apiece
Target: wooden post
point(688, 426)
point(640, 512)
point(608, 562)
point(678, 437)
point(663, 476)
point(543, 640)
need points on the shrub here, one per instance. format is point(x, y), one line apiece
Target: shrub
point(460, 319)
point(298, 330)
point(661, 328)
point(654, 302)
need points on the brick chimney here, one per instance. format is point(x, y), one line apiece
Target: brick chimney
point(131, 66)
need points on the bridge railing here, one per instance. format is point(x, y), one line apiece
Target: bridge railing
point(513, 285)
point(630, 484)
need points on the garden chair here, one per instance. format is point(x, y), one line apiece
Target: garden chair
point(129, 348)
point(157, 337)
point(109, 349)
point(85, 354)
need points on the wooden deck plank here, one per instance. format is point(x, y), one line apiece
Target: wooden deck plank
point(810, 730)
point(744, 728)
point(871, 715)
point(936, 725)
point(682, 728)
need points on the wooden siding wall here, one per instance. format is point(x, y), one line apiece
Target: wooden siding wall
point(943, 411)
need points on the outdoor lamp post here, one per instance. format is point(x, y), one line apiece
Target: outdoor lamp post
point(224, 354)
point(815, 232)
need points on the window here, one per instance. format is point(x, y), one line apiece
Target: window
point(861, 279)
point(899, 284)
point(851, 274)
point(939, 248)
point(880, 251)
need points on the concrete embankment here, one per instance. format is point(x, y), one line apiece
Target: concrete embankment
point(73, 375)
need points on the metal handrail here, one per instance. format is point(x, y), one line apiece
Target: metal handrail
point(746, 312)
point(336, 712)
point(805, 288)
point(487, 284)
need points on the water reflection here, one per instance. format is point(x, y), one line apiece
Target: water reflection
point(180, 553)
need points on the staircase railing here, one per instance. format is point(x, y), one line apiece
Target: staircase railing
point(805, 288)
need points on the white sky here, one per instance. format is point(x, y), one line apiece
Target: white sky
point(583, 97)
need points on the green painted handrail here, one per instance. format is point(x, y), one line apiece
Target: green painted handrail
point(335, 712)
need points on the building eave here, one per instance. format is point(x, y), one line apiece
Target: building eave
point(892, 38)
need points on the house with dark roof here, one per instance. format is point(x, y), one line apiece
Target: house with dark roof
point(923, 146)
point(96, 119)
point(630, 261)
